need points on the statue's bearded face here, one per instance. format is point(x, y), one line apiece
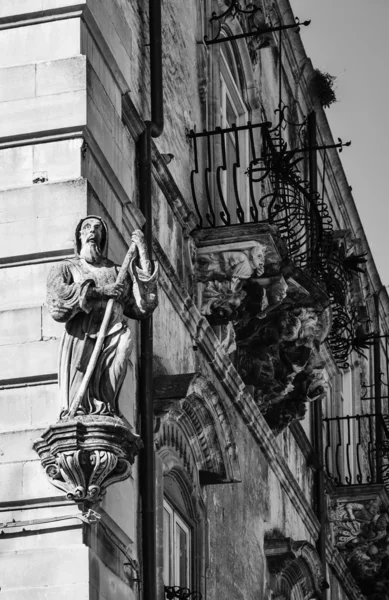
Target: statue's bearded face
point(91, 235)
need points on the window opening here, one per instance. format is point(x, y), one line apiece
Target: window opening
point(176, 548)
point(233, 112)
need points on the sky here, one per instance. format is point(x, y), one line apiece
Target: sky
point(350, 39)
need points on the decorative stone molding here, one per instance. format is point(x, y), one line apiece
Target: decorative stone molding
point(297, 571)
point(359, 516)
point(238, 270)
point(195, 421)
point(255, 43)
point(83, 456)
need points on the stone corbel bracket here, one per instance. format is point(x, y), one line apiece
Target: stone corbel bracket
point(83, 456)
point(227, 259)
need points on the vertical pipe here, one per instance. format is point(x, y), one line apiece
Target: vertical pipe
point(147, 459)
point(154, 128)
point(156, 82)
point(377, 390)
point(318, 414)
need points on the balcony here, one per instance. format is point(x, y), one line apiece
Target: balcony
point(270, 269)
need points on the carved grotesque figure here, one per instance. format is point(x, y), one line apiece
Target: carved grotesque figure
point(232, 263)
point(78, 292)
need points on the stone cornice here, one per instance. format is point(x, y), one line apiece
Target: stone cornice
point(34, 17)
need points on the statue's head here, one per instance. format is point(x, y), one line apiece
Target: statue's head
point(91, 238)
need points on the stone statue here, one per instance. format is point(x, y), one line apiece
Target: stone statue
point(78, 290)
point(91, 446)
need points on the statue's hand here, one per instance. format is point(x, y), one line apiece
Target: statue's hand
point(139, 240)
point(112, 290)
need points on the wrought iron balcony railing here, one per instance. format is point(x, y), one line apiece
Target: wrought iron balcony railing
point(180, 593)
point(357, 449)
point(248, 175)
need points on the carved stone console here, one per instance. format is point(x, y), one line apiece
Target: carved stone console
point(275, 316)
point(359, 517)
point(83, 456)
point(238, 271)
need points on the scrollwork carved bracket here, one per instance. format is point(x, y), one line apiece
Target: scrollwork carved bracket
point(83, 456)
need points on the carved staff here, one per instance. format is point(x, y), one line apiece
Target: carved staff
point(101, 335)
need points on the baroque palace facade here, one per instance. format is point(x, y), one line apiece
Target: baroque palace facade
point(209, 420)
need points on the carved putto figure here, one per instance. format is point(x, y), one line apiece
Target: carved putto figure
point(78, 291)
point(232, 263)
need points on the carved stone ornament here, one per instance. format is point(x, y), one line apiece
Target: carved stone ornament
point(237, 274)
point(193, 420)
point(83, 456)
point(360, 526)
point(279, 316)
point(255, 43)
point(91, 447)
point(295, 567)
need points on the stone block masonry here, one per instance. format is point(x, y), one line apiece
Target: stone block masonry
point(64, 152)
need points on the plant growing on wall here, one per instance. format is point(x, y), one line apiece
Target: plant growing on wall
point(323, 87)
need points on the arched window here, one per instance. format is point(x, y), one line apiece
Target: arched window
point(195, 447)
point(296, 570)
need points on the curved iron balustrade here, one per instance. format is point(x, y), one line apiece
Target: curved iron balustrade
point(172, 592)
point(352, 455)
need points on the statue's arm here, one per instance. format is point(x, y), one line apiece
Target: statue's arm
point(65, 297)
point(141, 298)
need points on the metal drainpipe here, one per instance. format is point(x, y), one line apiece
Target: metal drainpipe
point(318, 415)
point(154, 128)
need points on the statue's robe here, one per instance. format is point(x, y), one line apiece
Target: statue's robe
point(68, 302)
